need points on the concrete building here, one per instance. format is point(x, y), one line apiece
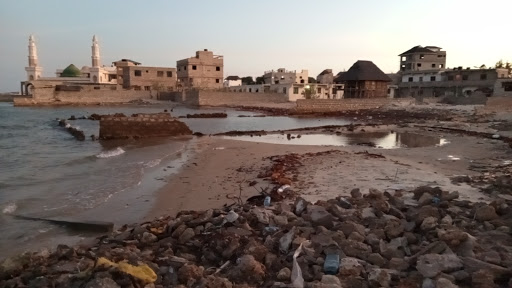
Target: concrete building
point(149, 78)
point(295, 91)
point(232, 81)
point(204, 71)
point(365, 80)
point(420, 58)
point(325, 77)
point(282, 76)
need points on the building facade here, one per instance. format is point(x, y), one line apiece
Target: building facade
point(232, 81)
point(149, 78)
point(365, 80)
point(283, 76)
point(420, 58)
point(204, 71)
point(325, 77)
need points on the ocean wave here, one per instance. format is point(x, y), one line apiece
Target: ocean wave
point(152, 163)
point(111, 153)
point(10, 208)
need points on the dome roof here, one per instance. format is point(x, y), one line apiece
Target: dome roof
point(71, 71)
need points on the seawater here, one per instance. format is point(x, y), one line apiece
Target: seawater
point(45, 172)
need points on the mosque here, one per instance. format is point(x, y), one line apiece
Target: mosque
point(94, 74)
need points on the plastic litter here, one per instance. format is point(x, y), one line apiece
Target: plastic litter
point(270, 230)
point(296, 277)
point(286, 241)
point(142, 272)
point(436, 200)
point(332, 264)
point(283, 188)
point(266, 203)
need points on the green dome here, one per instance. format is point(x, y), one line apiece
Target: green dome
point(71, 71)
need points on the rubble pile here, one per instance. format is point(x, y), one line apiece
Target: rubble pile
point(378, 239)
point(206, 115)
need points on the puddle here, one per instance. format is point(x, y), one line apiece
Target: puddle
point(374, 139)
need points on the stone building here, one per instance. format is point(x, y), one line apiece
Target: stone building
point(420, 58)
point(282, 76)
point(148, 78)
point(204, 71)
point(365, 80)
point(325, 77)
point(232, 81)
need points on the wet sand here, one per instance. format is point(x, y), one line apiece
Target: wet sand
point(219, 165)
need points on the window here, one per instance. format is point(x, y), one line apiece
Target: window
point(184, 68)
point(441, 65)
point(422, 56)
point(419, 65)
point(464, 77)
point(160, 73)
point(284, 90)
point(217, 80)
point(502, 76)
point(410, 79)
point(432, 78)
point(250, 90)
point(389, 91)
point(137, 88)
point(483, 77)
point(420, 92)
point(439, 56)
point(257, 90)
point(302, 81)
point(191, 80)
point(147, 88)
point(295, 90)
point(319, 90)
point(147, 71)
point(404, 58)
point(194, 67)
point(421, 79)
point(169, 73)
point(96, 88)
point(433, 65)
point(217, 68)
point(507, 86)
point(138, 73)
point(450, 78)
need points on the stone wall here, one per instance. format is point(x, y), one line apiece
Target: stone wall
point(496, 105)
point(222, 98)
point(328, 105)
point(141, 126)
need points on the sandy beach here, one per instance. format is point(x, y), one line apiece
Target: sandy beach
point(219, 167)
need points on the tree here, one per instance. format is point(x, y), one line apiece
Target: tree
point(311, 80)
point(310, 92)
point(260, 80)
point(483, 66)
point(500, 64)
point(247, 80)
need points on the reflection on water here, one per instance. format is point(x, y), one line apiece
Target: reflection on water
point(377, 139)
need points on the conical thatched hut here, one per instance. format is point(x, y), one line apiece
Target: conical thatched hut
point(365, 80)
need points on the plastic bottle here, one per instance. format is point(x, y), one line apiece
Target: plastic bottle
point(332, 264)
point(266, 203)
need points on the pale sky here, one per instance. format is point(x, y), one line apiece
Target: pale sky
point(253, 36)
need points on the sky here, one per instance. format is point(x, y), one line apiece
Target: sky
point(253, 36)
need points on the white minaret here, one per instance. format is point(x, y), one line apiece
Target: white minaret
point(33, 70)
point(95, 52)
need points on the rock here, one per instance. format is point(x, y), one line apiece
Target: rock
point(399, 264)
point(64, 252)
point(367, 213)
point(148, 238)
point(330, 281)
point(355, 249)
point(217, 282)
point(377, 259)
point(102, 283)
point(356, 193)
point(280, 220)
point(430, 265)
point(427, 211)
point(460, 275)
point(284, 274)
point(452, 237)
point(379, 278)
point(286, 241)
point(350, 266)
point(394, 229)
point(447, 220)
point(492, 257)
point(261, 215)
point(428, 283)
point(482, 278)
point(248, 269)
point(348, 227)
point(428, 223)
point(190, 272)
point(485, 213)
point(320, 216)
point(445, 283)
point(425, 199)
point(356, 237)
point(472, 265)
point(300, 206)
point(186, 235)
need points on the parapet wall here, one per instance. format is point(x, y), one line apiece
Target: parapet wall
point(332, 105)
point(141, 126)
point(223, 98)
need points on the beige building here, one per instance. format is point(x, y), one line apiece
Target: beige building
point(148, 78)
point(283, 76)
point(204, 71)
point(326, 77)
point(420, 58)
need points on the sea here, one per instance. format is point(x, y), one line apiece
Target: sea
point(46, 173)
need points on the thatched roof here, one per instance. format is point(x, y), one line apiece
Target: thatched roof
point(326, 71)
point(337, 78)
point(364, 71)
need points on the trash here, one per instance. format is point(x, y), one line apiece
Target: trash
point(270, 230)
point(297, 279)
point(282, 188)
point(286, 241)
point(266, 203)
point(231, 216)
point(496, 136)
point(332, 264)
point(142, 272)
point(436, 200)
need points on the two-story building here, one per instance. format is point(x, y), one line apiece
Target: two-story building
point(204, 71)
point(283, 76)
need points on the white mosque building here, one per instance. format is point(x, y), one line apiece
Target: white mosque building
point(95, 74)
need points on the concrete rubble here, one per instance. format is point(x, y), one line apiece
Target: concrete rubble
point(380, 241)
